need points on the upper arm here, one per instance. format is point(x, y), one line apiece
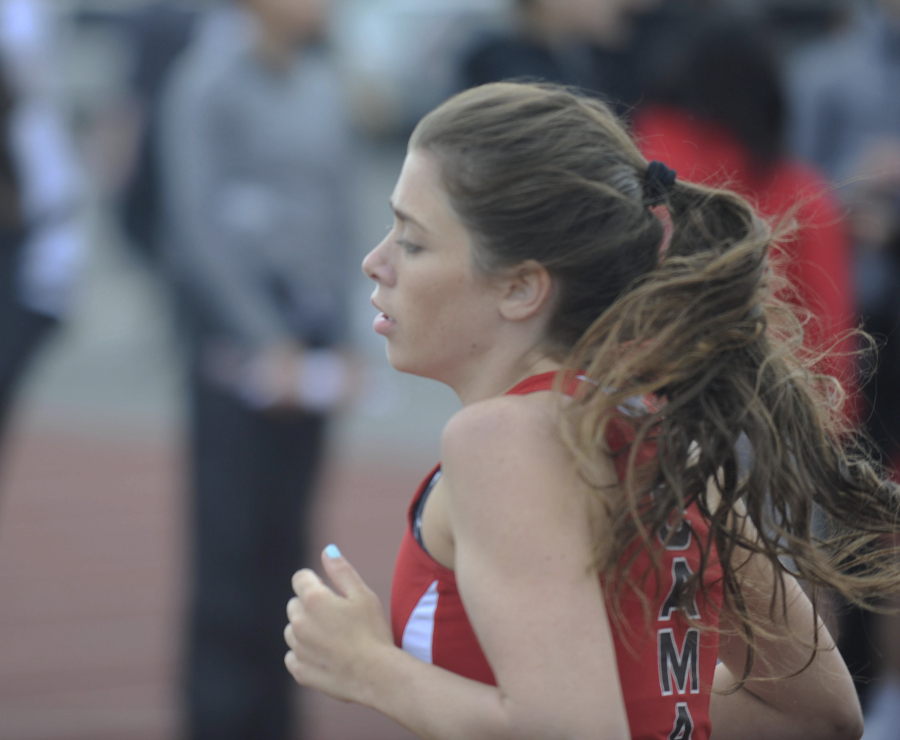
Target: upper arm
point(524, 567)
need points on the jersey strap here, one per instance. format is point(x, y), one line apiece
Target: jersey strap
point(620, 429)
point(544, 382)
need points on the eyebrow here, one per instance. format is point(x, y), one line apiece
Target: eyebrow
point(401, 216)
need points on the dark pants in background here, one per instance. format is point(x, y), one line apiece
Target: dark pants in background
point(254, 477)
point(22, 331)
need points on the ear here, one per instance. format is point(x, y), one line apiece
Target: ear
point(526, 291)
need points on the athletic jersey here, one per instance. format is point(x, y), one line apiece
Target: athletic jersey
point(666, 669)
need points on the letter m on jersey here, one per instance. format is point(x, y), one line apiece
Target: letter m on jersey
point(678, 665)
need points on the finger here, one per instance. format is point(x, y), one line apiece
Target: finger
point(294, 609)
point(293, 665)
point(344, 576)
point(290, 638)
point(304, 581)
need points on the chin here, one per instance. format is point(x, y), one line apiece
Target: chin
point(402, 364)
point(397, 360)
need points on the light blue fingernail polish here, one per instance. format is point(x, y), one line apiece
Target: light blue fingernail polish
point(332, 551)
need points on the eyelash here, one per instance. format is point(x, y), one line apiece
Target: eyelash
point(407, 246)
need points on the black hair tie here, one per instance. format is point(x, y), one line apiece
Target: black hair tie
point(658, 182)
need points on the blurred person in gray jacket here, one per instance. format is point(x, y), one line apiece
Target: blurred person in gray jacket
point(256, 164)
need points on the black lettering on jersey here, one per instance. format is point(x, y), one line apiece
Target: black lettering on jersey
point(681, 572)
point(678, 664)
point(684, 723)
point(681, 540)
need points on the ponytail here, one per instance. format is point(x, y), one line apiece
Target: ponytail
point(707, 334)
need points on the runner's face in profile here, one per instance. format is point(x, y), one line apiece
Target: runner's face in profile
point(438, 312)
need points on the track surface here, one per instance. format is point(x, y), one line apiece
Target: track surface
point(91, 583)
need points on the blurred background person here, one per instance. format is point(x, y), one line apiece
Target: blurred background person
point(42, 194)
point(157, 34)
point(21, 327)
point(586, 43)
point(845, 105)
point(257, 160)
point(717, 115)
point(845, 96)
point(843, 90)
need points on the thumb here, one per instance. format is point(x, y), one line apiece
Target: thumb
point(346, 580)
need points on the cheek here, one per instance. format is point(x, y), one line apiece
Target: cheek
point(450, 298)
point(462, 315)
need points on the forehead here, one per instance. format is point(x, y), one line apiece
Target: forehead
point(420, 194)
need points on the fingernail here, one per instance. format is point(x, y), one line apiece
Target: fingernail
point(332, 551)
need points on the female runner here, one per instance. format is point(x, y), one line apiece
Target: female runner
point(626, 495)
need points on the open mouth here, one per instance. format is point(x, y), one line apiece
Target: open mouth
point(384, 323)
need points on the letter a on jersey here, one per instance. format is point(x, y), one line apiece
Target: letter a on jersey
point(681, 572)
point(684, 723)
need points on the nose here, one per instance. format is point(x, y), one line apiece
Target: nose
point(376, 264)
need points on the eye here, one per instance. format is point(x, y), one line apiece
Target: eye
point(409, 247)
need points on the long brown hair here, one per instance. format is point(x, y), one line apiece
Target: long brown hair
point(540, 172)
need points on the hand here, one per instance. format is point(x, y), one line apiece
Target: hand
point(287, 377)
point(328, 380)
point(335, 635)
point(268, 378)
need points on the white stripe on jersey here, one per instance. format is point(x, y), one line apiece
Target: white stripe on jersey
point(419, 631)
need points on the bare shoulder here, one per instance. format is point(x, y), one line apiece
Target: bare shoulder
point(510, 449)
point(503, 427)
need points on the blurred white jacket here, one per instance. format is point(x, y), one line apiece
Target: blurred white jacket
point(51, 179)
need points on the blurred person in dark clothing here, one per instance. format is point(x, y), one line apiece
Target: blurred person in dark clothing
point(718, 117)
point(42, 240)
point(256, 163)
point(874, 202)
point(584, 43)
point(845, 103)
point(21, 328)
point(158, 34)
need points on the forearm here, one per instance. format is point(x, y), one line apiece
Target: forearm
point(434, 703)
point(745, 715)
point(799, 686)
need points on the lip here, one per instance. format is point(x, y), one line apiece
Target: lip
point(379, 308)
point(384, 323)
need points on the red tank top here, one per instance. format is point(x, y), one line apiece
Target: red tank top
point(666, 669)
